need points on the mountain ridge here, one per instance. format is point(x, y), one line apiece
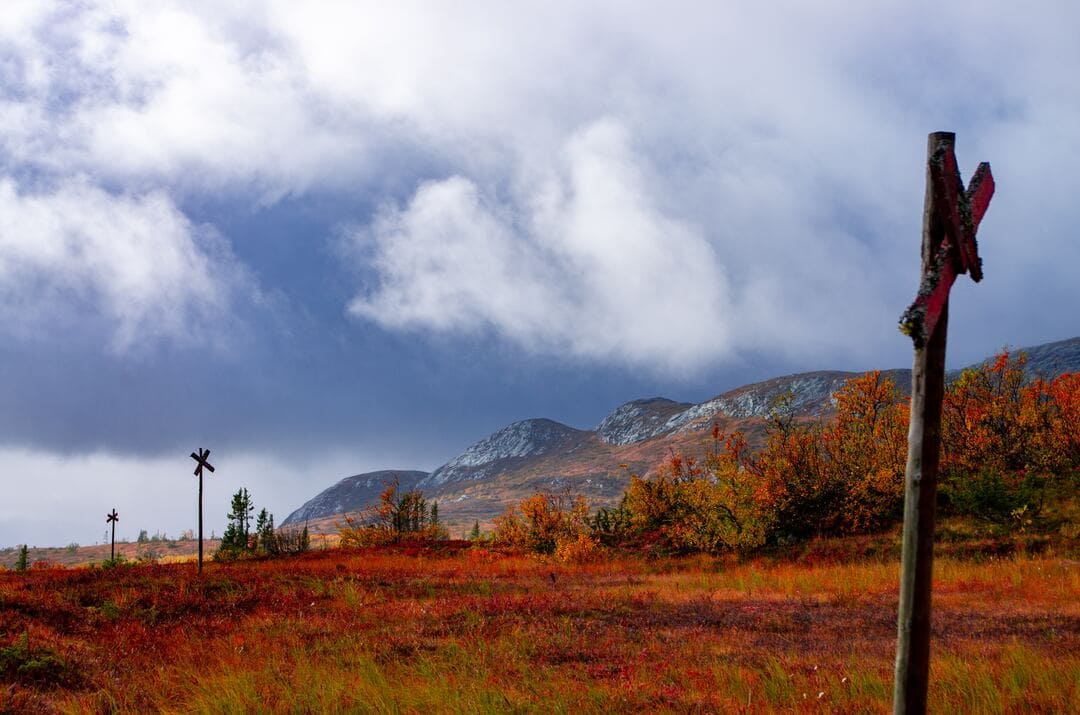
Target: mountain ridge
point(521, 439)
point(541, 454)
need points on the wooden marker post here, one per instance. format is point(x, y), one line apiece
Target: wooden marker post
point(951, 217)
point(112, 518)
point(200, 459)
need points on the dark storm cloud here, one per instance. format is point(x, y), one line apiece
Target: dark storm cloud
point(368, 234)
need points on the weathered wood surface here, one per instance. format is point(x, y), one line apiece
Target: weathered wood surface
point(112, 518)
point(201, 458)
point(951, 216)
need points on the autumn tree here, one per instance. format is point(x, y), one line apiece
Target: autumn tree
point(1007, 439)
point(725, 508)
point(1065, 421)
point(798, 497)
point(399, 516)
point(545, 523)
point(712, 505)
point(865, 452)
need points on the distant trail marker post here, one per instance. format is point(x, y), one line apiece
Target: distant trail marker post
point(201, 458)
point(951, 216)
point(112, 518)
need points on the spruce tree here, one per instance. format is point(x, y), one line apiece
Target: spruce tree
point(23, 562)
point(235, 538)
point(264, 532)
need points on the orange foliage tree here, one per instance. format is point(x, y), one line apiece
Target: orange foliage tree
point(865, 451)
point(1009, 441)
point(797, 494)
point(547, 524)
point(397, 517)
point(1065, 419)
point(714, 505)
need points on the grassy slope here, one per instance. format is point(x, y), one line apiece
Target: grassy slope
point(75, 555)
point(474, 631)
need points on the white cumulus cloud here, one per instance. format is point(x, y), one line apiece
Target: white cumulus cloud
point(131, 258)
point(589, 266)
point(787, 140)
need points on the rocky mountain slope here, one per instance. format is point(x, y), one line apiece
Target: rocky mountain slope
point(1052, 359)
point(351, 494)
point(639, 420)
point(511, 445)
point(542, 455)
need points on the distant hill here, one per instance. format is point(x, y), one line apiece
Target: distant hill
point(639, 420)
point(351, 494)
point(514, 444)
point(1051, 359)
point(543, 455)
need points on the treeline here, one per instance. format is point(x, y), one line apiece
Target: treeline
point(246, 536)
point(398, 517)
point(1009, 446)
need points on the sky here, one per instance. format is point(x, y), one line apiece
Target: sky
point(328, 238)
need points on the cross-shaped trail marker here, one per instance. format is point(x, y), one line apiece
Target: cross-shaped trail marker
point(201, 458)
point(112, 518)
point(951, 216)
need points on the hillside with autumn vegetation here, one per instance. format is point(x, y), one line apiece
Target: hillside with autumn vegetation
point(1010, 469)
point(749, 572)
point(543, 456)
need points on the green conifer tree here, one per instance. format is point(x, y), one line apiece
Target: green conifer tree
point(264, 532)
point(235, 538)
point(23, 562)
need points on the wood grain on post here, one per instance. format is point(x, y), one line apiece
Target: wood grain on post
point(200, 521)
point(112, 518)
point(944, 211)
point(920, 497)
point(920, 490)
point(201, 462)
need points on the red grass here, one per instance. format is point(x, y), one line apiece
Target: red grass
point(467, 629)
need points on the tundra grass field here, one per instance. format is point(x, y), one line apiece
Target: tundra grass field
point(466, 629)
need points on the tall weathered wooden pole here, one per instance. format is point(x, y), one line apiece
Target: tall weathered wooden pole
point(201, 461)
point(112, 518)
point(951, 217)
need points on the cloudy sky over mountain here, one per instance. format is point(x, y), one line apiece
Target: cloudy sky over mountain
point(326, 238)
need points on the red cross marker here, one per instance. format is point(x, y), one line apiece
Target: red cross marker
point(956, 216)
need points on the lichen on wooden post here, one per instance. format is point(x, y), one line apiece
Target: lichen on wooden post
point(951, 216)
